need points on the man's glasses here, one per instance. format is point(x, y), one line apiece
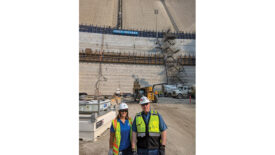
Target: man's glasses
point(144, 104)
point(123, 110)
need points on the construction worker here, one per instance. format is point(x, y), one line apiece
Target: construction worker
point(149, 131)
point(121, 133)
point(117, 93)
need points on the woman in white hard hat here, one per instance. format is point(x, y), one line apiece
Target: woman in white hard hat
point(121, 133)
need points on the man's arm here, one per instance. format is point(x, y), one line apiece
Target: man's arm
point(134, 139)
point(134, 134)
point(163, 137)
point(163, 129)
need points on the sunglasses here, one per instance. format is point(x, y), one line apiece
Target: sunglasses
point(123, 110)
point(144, 104)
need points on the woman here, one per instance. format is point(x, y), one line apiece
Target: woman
point(121, 133)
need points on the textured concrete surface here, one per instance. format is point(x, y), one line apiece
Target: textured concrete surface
point(118, 76)
point(139, 14)
point(178, 115)
point(117, 43)
point(98, 12)
point(183, 13)
point(123, 75)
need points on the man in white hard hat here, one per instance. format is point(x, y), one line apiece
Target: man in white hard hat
point(121, 133)
point(149, 131)
point(118, 92)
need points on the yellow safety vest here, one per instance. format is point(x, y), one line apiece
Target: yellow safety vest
point(117, 137)
point(153, 126)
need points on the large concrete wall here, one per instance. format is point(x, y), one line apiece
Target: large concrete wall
point(98, 12)
point(118, 76)
point(118, 43)
point(123, 75)
point(139, 14)
point(189, 75)
point(183, 13)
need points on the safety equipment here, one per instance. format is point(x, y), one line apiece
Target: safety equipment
point(144, 100)
point(162, 150)
point(123, 106)
point(117, 137)
point(118, 91)
point(148, 135)
point(110, 152)
point(134, 152)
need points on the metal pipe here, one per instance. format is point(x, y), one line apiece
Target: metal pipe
point(156, 13)
point(98, 109)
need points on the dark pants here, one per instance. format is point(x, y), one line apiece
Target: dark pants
point(126, 151)
point(147, 152)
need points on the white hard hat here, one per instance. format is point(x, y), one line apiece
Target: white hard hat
point(144, 100)
point(117, 91)
point(123, 106)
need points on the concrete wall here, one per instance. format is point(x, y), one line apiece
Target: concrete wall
point(183, 13)
point(118, 76)
point(98, 12)
point(189, 75)
point(139, 14)
point(118, 43)
point(123, 75)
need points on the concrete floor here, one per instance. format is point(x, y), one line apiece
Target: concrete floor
point(179, 116)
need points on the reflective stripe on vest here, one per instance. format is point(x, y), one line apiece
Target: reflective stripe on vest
point(153, 126)
point(117, 137)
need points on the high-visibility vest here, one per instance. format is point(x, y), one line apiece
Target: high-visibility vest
point(149, 139)
point(117, 137)
point(153, 124)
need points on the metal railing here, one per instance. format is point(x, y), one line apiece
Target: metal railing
point(130, 58)
point(141, 33)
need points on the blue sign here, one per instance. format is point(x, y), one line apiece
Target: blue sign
point(125, 32)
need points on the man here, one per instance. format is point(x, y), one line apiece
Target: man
point(149, 131)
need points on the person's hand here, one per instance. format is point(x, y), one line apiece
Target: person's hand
point(134, 152)
point(162, 150)
point(110, 152)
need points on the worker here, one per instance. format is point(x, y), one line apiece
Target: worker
point(149, 131)
point(121, 132)
point(117, 93)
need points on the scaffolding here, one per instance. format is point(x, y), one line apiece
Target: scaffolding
point(174, 66)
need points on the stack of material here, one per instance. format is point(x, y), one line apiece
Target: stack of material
point(92, 106)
